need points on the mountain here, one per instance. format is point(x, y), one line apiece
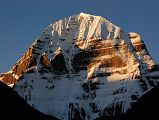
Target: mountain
point(84, 67)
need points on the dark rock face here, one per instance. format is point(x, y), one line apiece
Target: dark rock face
point(58, 63)
point(81, 60)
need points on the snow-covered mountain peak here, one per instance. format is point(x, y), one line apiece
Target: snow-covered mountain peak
point(84, 67)
point(89, 16)
point(84, 26)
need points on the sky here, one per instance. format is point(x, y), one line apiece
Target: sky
point(21, 21)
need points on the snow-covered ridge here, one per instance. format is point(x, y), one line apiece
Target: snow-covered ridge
point(84, 26)
point(84, 67)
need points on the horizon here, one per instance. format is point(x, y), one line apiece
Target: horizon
point(22, 22)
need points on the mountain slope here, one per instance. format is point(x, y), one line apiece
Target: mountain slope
point(84, 67)
point(14, 107)
point(146, 107)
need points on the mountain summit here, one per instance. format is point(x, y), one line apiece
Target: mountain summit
point(84, 67)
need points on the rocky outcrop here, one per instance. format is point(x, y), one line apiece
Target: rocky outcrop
point(27, 61)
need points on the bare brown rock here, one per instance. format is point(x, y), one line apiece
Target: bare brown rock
point(27, 61)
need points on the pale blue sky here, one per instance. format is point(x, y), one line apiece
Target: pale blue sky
point(21, 21)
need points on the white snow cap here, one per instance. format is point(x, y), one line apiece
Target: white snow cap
point(135, 37)
point(85, 26)
point(88, 15)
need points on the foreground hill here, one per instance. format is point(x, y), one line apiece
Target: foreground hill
point(13, 107)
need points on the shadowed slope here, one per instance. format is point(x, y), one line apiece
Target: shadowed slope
point(13, 107)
